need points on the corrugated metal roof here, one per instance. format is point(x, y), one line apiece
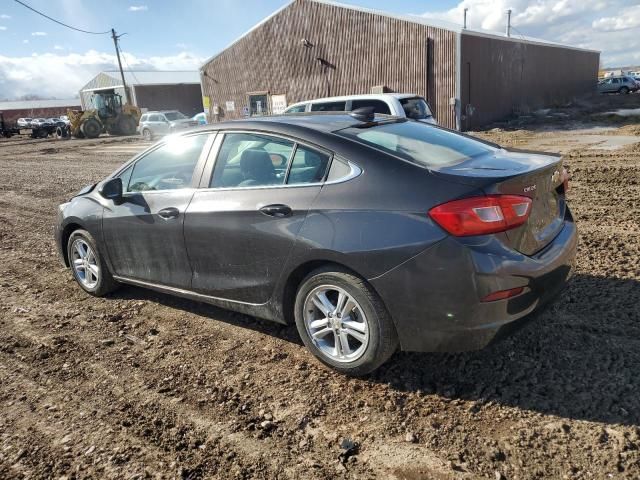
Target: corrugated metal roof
point(112, 78)
point(34, 104)
point(431, 22)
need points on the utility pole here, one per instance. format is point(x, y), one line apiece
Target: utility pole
point(465, 18)
point(124, 85)
point(509, 23)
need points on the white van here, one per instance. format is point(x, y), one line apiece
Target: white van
point(398, 104)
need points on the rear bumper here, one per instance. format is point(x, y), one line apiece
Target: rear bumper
point(434, 298)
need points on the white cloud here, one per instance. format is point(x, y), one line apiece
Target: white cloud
point(182, 46)
point(605, 25)
point(38, 34)
point(630, 18)
point(62, 75)
point(25, 41)
point(2, 28)
point(58, 47)
point(138, 8)
point(4, 16)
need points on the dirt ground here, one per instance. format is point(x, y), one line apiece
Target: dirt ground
point(141, 385)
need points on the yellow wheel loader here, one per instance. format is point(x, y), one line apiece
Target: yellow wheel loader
point(108, 115)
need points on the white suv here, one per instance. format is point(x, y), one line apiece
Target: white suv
point(398, 104)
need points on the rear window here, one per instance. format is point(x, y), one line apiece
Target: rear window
point(415, 108)
point(329, 107)
point(171, 116)
point(419, 143)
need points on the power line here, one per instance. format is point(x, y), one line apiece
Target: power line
point(59, 22)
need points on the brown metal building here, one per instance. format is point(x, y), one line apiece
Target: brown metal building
point(150, 90)
point(317, 48)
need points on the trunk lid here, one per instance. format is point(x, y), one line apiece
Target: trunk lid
point(519, 172)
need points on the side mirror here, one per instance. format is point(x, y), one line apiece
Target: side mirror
point(112, 190)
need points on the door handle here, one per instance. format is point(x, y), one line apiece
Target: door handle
point(276, 210)
point(169, 213)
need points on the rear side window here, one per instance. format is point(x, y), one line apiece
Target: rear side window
point(378, 105)
point(419, 143)
point(143, 118)
point(251, 160)
point(338, 171)
point(308, 166)
point(329, 107)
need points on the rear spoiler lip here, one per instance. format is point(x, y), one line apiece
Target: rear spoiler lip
point(534, 152)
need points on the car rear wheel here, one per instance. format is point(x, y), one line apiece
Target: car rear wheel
point(343, 322)
point(624, 90)
point(146, 133)
point(88, 267)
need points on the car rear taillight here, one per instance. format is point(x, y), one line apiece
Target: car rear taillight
point(503, 294)
point(482, 215)
point(565, 180)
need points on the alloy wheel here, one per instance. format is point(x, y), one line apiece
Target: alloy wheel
point(85, 264)
point(336, 323)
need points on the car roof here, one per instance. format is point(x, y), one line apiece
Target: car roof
point(326, 122)
point(365, 96)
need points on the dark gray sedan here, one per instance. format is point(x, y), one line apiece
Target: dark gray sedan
point(370, 233)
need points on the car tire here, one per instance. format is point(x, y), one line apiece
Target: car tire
point(88, 265)
point(623, 90)
point(370, 335)
point(147, 135)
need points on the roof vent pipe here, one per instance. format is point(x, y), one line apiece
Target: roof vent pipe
point(465, 18)
point(509, 23)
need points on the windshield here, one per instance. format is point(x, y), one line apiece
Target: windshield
point(415, 108)
point(171, 116)
point(419, 143)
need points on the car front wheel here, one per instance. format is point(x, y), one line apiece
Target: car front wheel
point(343, 322)
point(88, 267)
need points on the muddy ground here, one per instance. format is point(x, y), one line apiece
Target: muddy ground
point(142, 385)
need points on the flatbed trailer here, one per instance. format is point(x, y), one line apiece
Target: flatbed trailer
point(9, 130)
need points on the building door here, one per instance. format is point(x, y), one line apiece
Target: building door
point(258, 104)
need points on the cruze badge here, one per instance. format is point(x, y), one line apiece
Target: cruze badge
point(530, 188)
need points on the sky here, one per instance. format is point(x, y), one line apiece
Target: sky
point(43, 58)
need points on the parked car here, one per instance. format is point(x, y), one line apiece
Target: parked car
point(65, 119)
point(398, 104)
point(201, 118)
point(39, 122)
point(620, 84)
point(24, 122)
point(156, 124)
point(368, 232)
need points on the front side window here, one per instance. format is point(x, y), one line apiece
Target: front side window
point(415, 108)
point(329, 107)
point(155, 118)
point(251, 160)
point(168, 167)
point(297, 109)
point(419, 143)
point(378, 105)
